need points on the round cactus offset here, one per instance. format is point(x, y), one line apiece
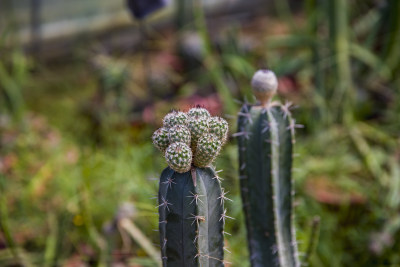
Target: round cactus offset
point(175, 118)
point(219, 127)
point(207, 150)
point(198, 126)
point(160, 139)
point(179, 157)
point(179, 133)
point(198, 112)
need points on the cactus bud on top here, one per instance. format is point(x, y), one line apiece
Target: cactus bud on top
point(207, 150)
point(175, 118)
point(264, 84)
point(198, 112)
point(179, 133)
point(179, 157)
point(160, 139)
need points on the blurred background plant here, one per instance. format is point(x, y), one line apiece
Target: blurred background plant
point(78, 111)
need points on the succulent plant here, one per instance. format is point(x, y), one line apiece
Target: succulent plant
point(207, 150)
point(198, 112)
point(198, 126)
point(161, 139)
point(179, 157)
point(192, 128)
point(192, 214)
point(265, 138)
point(179, 133)
point(192, 218)
point(175, 118)
point(219, 127)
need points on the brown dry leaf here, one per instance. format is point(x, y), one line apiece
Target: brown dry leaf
point(325, 191)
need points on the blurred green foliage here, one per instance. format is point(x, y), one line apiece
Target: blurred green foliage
point(71, 155)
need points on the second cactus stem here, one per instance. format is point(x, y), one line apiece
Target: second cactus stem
point(266, 137)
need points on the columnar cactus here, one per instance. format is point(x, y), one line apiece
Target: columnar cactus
point(266, 137)
point(190, 197)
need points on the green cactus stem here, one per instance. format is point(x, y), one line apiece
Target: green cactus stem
point(265, 138)
point(192, 219)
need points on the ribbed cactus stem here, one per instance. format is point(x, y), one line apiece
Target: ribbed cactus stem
point(265, 158)
point(191, 232)
point(281, 159)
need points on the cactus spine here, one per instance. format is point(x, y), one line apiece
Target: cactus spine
point(265, 138)
point(190, 197)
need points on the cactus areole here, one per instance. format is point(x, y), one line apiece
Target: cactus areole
point(192, 215)
point(265, 139)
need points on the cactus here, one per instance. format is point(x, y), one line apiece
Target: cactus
point(207, 149)
point(175, 118)
point(161, 139)
point(198, 126)
point(179, 157)
point(219, 127)
point(179, 133)
point(191, 201)
point(198, 112)
point(265, 138)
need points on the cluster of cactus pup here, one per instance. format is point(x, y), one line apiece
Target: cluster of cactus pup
point(192, 138)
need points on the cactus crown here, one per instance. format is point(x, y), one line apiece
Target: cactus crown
point(190, 138)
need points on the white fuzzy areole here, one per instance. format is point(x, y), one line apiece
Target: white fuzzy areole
point(264, 81)
point(264, 84)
